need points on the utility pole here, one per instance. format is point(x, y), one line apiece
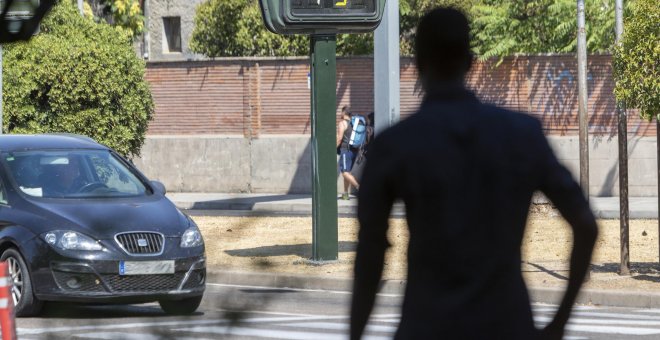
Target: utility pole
point(81, 8)
point(624, 265)
point(386, 69)
point(146, 41)
point(583, 118)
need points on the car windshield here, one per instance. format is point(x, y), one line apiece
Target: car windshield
point(72, 174)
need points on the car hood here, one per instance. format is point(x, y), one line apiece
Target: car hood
point(103, 218)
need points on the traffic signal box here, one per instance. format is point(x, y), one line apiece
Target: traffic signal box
point(18, 10)
point(19, 19)
point(321, 16)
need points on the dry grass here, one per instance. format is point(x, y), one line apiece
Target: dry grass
point(283, 245)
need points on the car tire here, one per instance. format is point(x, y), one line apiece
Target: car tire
point(181, 307)
point(25, 303)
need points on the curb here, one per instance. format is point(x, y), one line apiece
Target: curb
point(634, 299)
point(265, 208)
point(350, 209)
point(296, 281)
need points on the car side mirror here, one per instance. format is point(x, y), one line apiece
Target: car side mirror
point(159, 187)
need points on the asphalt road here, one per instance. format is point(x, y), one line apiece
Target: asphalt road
point(253, 312)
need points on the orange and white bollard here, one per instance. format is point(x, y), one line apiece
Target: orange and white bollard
point(7, 317)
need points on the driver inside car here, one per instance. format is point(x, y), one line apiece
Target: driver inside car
point(62, 177)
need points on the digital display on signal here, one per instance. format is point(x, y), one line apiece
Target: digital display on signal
point(332, 7)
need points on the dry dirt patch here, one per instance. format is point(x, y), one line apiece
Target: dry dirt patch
point(283, 245)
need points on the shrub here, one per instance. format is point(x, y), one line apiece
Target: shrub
point(77, 76)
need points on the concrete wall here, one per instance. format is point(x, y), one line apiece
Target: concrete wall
point(157, 9)
point(604, 164)
point(282, 164)
point(198, 164)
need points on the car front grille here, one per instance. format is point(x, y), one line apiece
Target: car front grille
point(141, 243)
point(86, 282)
point(144, 283)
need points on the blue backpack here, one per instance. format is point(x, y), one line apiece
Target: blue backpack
point(359, 133)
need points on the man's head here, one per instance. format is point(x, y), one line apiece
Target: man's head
point(66, 173)
point(345, 113)
point(442, 47)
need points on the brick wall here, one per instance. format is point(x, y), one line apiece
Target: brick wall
point(253, 97)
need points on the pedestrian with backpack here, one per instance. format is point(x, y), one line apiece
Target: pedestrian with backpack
point(351, 135)
point(364, 148)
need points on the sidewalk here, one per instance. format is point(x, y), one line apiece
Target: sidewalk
point(598, 297)
point(606, 287)
point(603, 207)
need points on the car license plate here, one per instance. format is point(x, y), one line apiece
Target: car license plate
point(146, 267)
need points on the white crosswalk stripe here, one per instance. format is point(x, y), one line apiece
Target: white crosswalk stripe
point(590, 321)
point(339, 326)
point(587, 322)
point(264, 333)
point(127, 336)
point(297, 328)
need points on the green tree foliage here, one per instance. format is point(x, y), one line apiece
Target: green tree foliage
point(235, 28)
point(500, 28)
point(411, 11)
point(127, 15)
point(505, 27)
point(225, 28)
point(77, 76)
point(637, 60)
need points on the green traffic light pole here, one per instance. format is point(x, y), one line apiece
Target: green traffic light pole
point(323, 61)
point(322, 21)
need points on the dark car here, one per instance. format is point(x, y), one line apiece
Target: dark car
point(79, 223)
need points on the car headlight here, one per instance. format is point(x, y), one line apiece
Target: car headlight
point(70, 240)
point(191, 238)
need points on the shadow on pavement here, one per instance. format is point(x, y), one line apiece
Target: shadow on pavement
point(644, 271)
point(302, 250)
point(243, 203)
point(552, 272)
point(53, 310)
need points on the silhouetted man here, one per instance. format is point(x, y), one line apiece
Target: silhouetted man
point(466, 172)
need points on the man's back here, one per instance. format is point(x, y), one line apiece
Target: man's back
point(466, 173)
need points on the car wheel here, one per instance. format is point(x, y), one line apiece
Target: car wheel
point(25, 303)
point(181, 307)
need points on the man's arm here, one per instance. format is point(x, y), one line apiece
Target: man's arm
point(374, 205)
point(341, 128)
point(560, 187)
